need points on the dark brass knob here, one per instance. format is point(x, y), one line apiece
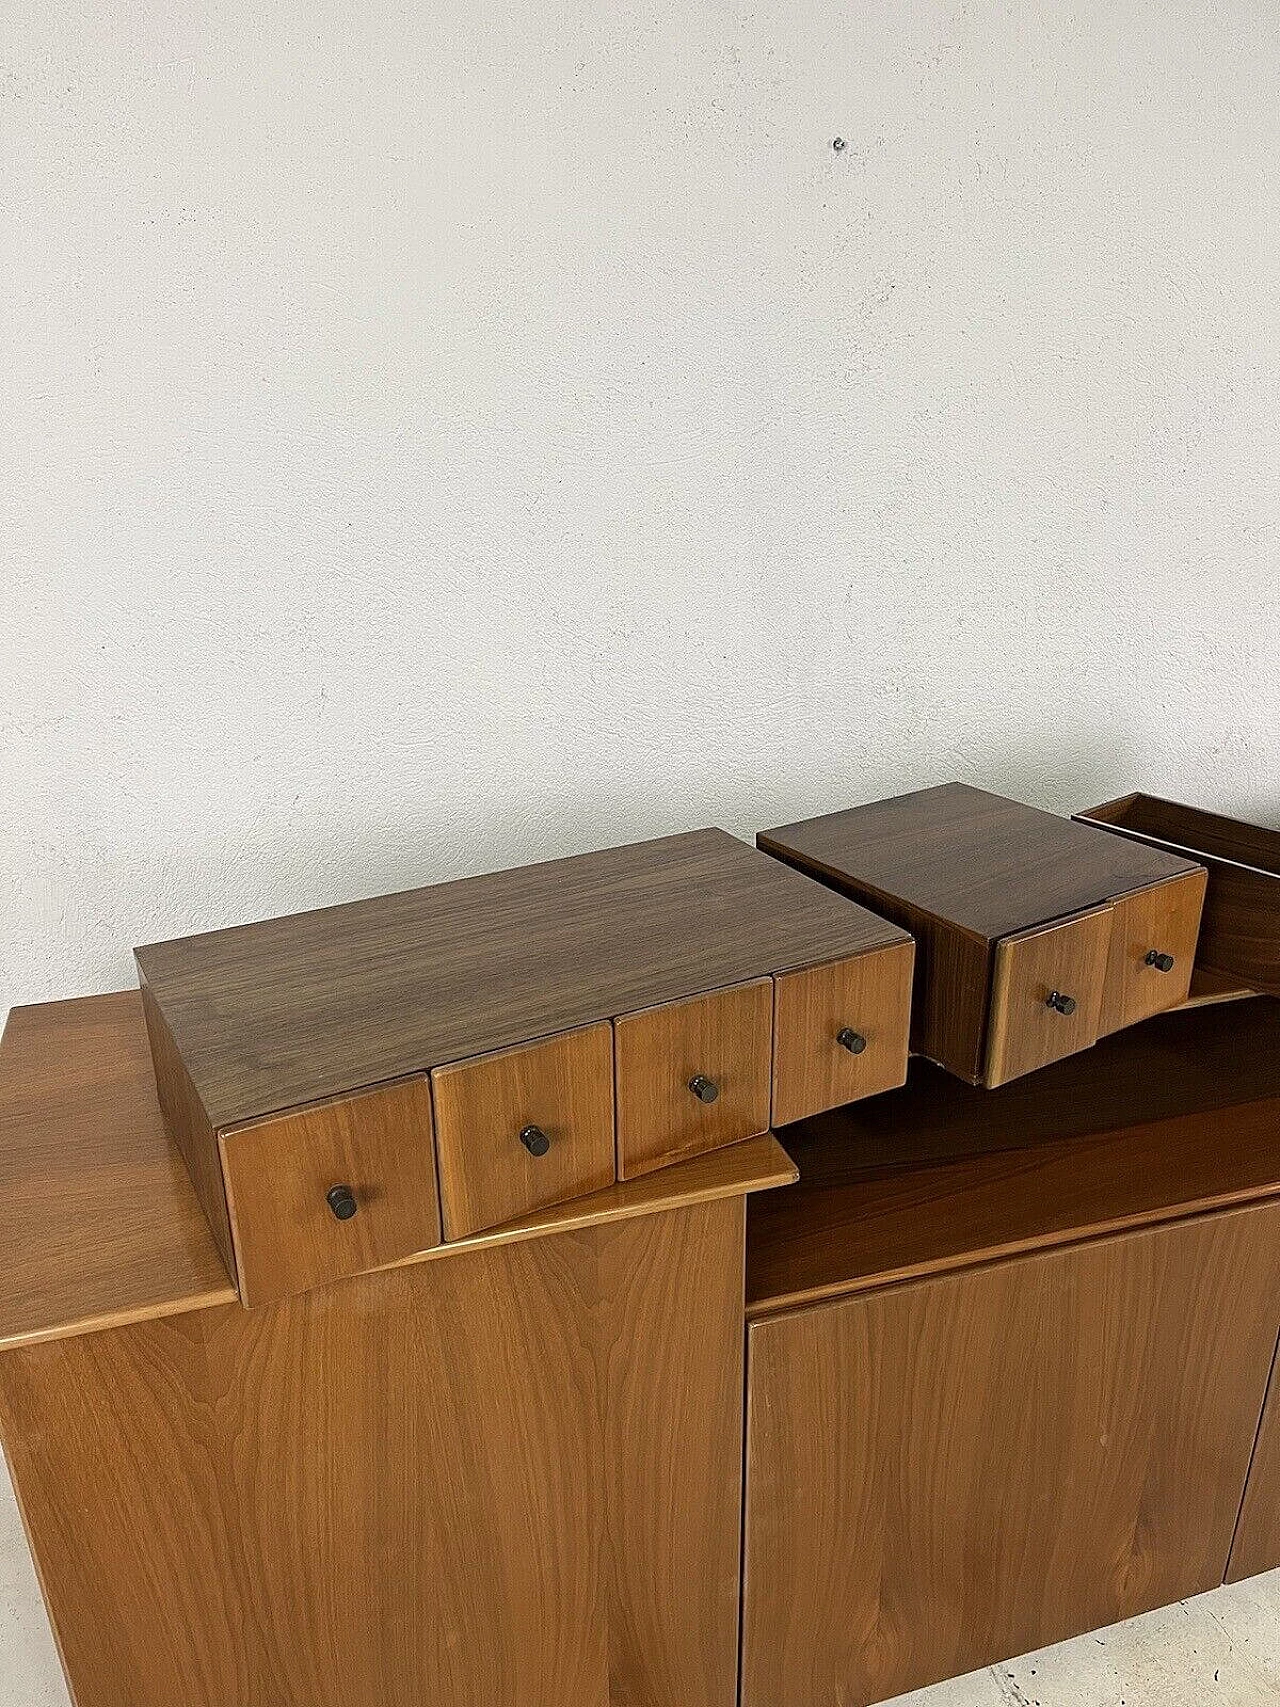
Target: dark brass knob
point(851, 1040)
point(1062, 1004)
point(535, 1140)
point(342, 1200)
point(1161, 962)
point(706, 1090)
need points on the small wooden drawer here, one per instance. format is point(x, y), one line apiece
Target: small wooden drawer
point(1046, 995)
point(1010, 907)
point(1239, 943)
point(840, 1031)
point(693, 1075)
point(332, 1189)
point(524, 1128)
point(1153, 951)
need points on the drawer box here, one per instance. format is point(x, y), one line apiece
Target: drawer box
point(1014, 912)
point(1153, 950)
point(318, 1193)
point(1239, 939)
point(501, 993)
point(840, 1032)
point(1047, 994)
point(524, 1128)
point(693, 1076)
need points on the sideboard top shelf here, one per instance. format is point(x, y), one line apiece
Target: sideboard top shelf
point(1176, 1117)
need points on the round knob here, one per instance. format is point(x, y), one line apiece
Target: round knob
point(1161, 962)
point(851, 1040)
point(342, 1200)
point(706, 1090)
point(535, 1140)
point(1062, 1004)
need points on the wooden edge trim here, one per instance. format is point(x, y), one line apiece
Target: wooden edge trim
point(735, 1170)
point(100, 1323)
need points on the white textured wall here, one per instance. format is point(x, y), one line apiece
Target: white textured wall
point(435, 436)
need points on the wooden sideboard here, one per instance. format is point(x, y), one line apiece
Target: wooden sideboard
point(381, 1288)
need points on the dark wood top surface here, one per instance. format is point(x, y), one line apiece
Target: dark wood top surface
point(987, 864)
point(283, 1012)
point(1174, 1117)
point(101, 1225)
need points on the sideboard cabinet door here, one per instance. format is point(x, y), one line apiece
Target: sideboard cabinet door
point(1257, 1543)
point(948, 1473)
point(505, 1478)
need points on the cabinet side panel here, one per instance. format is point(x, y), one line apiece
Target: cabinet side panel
point(672, 1358)
point(188, 1125)
point(949, 1473)
point(1257, 1543)
point(507, 1478)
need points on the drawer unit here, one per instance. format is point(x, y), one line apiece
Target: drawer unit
point(1239, 941)
point(331, 1190)
point(1034, 935)
point(524, 1128)
point(693, 1076)
point(561, 1026)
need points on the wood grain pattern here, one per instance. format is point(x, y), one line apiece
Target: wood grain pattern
point(1067, 958)
point(989, 865)
point(564, 1085)
point(1172, 1119)
point(871, 995)
point(1256, 1547)
point(1164, 919)
point(726, 1036)
point(272, 1015)
point(952, 979)
point(508, 1479)
point(103, 1223)
point(188, 1125)
point(943, 1475)
point(378, 1143)
point(1240, 929)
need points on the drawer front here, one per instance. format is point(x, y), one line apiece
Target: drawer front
point(524, 1128)
point(840, 1032)
point(1046, 993)
point(719, 1045)
point(332, 1189)
point(1150, 929)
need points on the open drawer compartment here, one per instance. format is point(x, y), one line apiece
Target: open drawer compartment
point(1240, 929)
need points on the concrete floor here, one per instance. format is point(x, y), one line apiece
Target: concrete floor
point(1222, 1650)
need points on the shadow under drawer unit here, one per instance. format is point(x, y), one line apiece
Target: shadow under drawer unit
point(1036, 935)
point(354, 1086)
